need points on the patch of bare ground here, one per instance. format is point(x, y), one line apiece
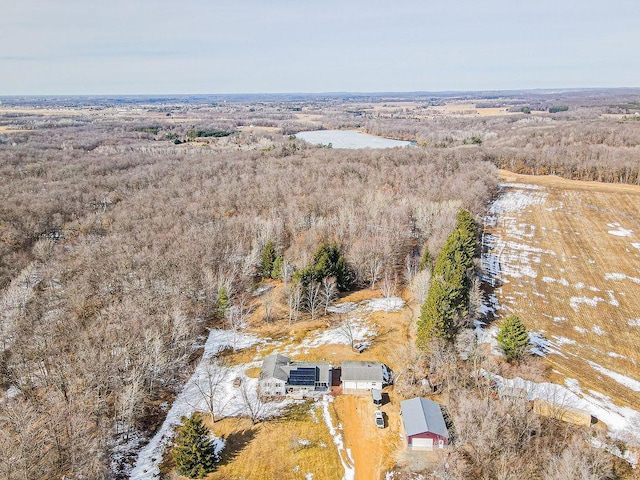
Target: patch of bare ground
point(372, 448)
point(577, 278)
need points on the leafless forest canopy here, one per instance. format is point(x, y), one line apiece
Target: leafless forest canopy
point(121, 220)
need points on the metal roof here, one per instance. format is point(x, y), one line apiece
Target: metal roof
point(362, 371)
point(420, 415)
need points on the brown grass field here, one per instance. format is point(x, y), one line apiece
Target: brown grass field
point(583, 241)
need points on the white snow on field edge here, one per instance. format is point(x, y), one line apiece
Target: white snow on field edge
point(618, 377)
point(623, 422)
point(190, 400)
point(345, 455)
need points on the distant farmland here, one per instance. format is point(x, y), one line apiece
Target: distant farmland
point(565, 256)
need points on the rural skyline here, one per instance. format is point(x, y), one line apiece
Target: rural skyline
point(146, 47)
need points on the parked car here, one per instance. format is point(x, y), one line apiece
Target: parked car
point(237, 382)
point(379, 419)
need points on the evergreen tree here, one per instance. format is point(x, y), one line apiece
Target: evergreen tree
point(513, 337)
point(448, 295)
point(192, 451)
point(222, 302)
point(278, 267)
point(436, 319)
point(327, 262)
point(266, 260)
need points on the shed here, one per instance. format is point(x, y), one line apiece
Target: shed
point(376, 396)
point(361, 377)
point(424, 424)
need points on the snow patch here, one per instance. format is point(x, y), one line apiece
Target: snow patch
point(575, 301)
point(633, 322)
point(618, 377)
point(391, 304)
point(355, 330)
point(621, 276)
point(615, 355)
point(345, 455)
point(619, 231)
point(344, 307)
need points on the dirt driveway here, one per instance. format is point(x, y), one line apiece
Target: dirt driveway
point(373, 449)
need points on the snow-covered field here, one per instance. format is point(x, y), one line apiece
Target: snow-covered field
point(349, 139)
point(548, 258)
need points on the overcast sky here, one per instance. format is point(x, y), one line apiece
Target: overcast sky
point(209, 46)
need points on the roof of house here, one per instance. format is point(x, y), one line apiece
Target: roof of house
point(272, 367)
point(321, 369)
point(362, 371)
point(420, 415)
point(280, 367)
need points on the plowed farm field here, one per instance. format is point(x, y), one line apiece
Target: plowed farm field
point(565, 256)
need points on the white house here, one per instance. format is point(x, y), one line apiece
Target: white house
point(280, 376)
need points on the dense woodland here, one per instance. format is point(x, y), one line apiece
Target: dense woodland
point(118, 232)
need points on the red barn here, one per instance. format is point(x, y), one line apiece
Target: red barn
point(424, 424)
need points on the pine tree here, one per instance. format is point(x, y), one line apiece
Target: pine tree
point(436, 318)
point(267, 259)
point(192, 451)
point(448, 296)
point(222, 302)
point(327, 262)
point(278, 267)
point(513, 337)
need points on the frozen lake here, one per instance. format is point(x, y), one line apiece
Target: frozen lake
point(349, 139)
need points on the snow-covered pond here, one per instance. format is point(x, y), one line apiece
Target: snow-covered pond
point(349, 139)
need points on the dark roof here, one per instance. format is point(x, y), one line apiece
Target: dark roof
point(363, 371)
point(420, 415)
point(280, 367)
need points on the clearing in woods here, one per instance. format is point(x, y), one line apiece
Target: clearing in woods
point(565, 256)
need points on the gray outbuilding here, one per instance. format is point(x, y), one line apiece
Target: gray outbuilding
point(361, 377)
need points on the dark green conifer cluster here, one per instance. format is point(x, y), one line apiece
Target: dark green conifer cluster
point(447, 299)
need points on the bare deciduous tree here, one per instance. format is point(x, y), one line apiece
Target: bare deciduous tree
point(329, 292)
point(313, 298)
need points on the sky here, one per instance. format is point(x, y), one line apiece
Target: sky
point(90, 47)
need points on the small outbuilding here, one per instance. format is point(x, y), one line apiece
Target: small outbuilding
point(424, 424)
point(376, 396)
point(361, 377)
